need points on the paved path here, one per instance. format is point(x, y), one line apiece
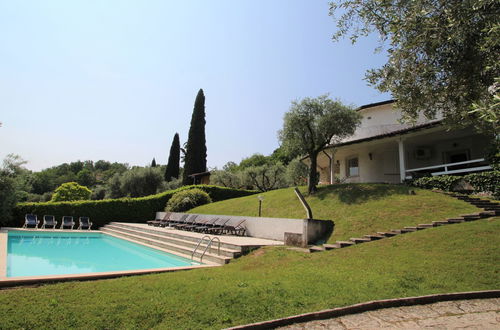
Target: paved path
point(459, 314)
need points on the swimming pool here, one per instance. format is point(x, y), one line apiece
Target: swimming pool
point(52, 253)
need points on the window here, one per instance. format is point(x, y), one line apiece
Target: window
point(352, 167)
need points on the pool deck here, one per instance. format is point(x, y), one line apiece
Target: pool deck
point(35, 280)
point(236, 240)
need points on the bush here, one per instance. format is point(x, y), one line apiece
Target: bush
point(481, 182)
point(71, 191)
point(124, 209)
point(187, 199)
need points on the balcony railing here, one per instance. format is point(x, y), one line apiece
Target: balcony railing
point(474, 165)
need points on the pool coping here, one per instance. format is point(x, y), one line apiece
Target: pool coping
point(31, 280)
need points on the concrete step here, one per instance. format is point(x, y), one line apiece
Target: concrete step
point(359, 240)
point(398, 231)
point(317, 248)
point(231, 251)
point(486, 214)
point(170, 233)
point(331, 246)
point(299, 249)
point(456, 220)
point(470, 217)
point(374, 237)
point(408, 230)
point(183, 251)
point(440, 222)
point(343, 244)
point(425, 225)
point(387, 233)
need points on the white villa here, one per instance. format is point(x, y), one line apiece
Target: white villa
point(384, 150)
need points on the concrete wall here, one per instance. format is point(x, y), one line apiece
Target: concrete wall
point(273, 228)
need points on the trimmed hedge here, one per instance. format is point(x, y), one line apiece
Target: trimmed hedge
point(481, 182)
point(104, 211)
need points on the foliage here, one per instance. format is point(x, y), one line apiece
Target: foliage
point(481, 182)
point(124, 209)
point(172, 170)
point(485, 182)
point(296, 173)
point(265, 177)
point(141, 181)
point(442, 55)
point(187, 199)
point(195, 160)
point(85, 177)
point(71, 191)
point(312, 124)
point(225, 178)
point(153, 162)
point(8, 197)
point(114, 187)
point(254, 161)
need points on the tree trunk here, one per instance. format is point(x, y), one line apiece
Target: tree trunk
point(311, 188)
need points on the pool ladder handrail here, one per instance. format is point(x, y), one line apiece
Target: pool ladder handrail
point(206, 248)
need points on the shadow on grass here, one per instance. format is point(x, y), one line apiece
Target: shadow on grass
point(354, 193)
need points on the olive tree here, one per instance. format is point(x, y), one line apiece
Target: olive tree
point(443, 55)
point(313, 123)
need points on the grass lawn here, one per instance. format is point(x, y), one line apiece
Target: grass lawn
point(271, 282)
point(357, 209)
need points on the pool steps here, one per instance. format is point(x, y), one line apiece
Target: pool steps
point(174, 241)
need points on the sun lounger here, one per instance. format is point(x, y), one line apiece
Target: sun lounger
point(157, 223)
point(170, 222)
point(49, 221)
point(216, 228)
point(31, 220)
point(85, 223)
point(189, 221)
point(237, 229)
point(203, 227)
point(199, 223)
point(67, 221)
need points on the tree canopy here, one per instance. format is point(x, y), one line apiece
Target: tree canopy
point(443, 55)
point(195, 160)
point(172, 170)
point(312, 124)
point(71, 191)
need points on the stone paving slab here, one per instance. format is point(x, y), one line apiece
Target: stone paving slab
point(459, 314)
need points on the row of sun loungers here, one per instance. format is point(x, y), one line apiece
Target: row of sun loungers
point(49, 221)
point(200, 224)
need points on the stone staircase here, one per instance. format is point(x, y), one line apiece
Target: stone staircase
point(175, 241)
point(488, 209)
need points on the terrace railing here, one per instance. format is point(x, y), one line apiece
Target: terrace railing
point(474, 165)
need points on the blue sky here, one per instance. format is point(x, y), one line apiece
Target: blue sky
point(115, 80)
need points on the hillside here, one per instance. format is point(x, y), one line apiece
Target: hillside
point(269, 283)
point(357, 209)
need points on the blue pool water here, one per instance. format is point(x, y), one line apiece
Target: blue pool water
point(48, 253)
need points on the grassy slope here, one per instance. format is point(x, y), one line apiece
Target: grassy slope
point(356, 209)
point(269, 283)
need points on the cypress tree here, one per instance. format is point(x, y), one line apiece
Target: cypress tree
point(172, 171)
point(196, 150)
point(153, 162)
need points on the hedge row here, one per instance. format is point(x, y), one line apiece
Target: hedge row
point(124, 209)
point(481, 182)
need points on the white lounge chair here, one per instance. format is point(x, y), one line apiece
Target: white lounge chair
point(85, 223)
point(49, 221)
point(67, 221)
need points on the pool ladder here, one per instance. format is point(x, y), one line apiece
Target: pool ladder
point(206, 248)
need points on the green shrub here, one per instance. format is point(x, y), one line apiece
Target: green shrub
point(71, 191)
point(104, 211)
point(485, 182)
point(481, 182)
point(443, 182)
point(187, 199)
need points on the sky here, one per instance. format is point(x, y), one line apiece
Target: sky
point(116, 79)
